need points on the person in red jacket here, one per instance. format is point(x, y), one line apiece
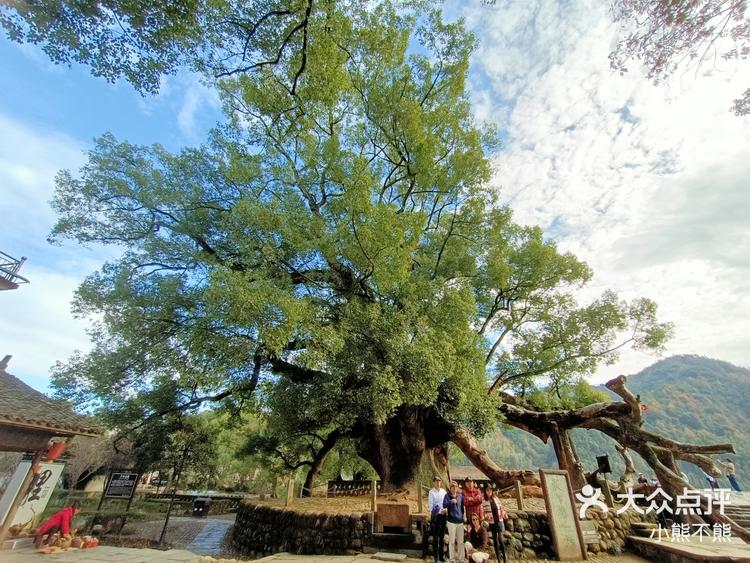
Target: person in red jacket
point(473, 498)
point(60, 521)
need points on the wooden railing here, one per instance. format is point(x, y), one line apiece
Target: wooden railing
point(9, 266)
point(350, 488)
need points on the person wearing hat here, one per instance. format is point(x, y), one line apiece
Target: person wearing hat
point(731, 475)
point(453, 502)
point(437, 521)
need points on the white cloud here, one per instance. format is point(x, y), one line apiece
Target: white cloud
point(37, 328)
point(189, 99)
point(35, 324)
point(29, 160)
point(645, 183)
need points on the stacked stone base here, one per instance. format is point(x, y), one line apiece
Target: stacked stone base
point(263, 530)
point(527, 535)
point(614, 528)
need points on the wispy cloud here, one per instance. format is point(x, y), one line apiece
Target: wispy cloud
point(194, 105)
point(197, 97)
point(37, 327)
point(29, 160)
point(643, 182)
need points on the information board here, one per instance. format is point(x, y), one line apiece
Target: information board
point(121, 485)
point(563, 517)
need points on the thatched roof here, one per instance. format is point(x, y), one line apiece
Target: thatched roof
point(24, 407)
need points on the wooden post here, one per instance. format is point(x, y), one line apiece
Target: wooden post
point(22, 492)
point(176, 479)
point(101, 501)
point(130, 502)
point(374, 496)
point(519, 495)
point(607, 494)
point(289, 492)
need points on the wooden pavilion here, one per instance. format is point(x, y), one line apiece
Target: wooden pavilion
point(29, 420)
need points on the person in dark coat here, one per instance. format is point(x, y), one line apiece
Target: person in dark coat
point(453, 502)
point(494, 516)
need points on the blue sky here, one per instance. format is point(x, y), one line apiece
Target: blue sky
point(648, 184)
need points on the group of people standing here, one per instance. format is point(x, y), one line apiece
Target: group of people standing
point(468, 515)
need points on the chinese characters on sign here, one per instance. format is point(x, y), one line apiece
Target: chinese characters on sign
point(689, 503)
point(121, 485)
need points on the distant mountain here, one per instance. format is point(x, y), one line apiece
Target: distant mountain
point(690, 399)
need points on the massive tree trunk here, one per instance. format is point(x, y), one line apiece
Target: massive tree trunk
point(395, 449)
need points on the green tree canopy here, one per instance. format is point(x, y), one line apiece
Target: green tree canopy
point(332, 256)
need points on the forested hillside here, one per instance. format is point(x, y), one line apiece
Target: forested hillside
point(689, 398)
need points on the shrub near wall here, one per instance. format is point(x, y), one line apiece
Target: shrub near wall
point(262, 530)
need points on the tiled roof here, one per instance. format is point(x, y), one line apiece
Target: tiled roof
point(461, 472)
point(21, 405)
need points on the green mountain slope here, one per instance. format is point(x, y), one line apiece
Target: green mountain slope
point(690, 399)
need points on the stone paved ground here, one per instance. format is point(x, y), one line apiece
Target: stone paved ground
point(209, 540)
point(181, 531)
point(200, 535)
point(101, 554)
point(286, 558)
point(106, 554)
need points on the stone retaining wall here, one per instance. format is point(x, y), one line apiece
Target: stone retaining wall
point(262, 530)
point(613, 528)
point(527, 533)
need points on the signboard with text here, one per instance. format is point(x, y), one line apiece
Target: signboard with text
point(567, 537)
point(121, 485)
point(35, 501)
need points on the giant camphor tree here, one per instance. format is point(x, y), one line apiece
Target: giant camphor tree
point(332, 256)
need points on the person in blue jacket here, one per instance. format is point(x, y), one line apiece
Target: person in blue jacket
point(453, 502)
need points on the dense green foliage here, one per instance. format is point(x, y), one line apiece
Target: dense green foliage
point(332, 257)
point(144, 41)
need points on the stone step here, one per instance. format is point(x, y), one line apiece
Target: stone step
point(18, 543)
point(411, 553)
point(647, 533)
point(393, 541)
point(644, 525)
point(382, 556)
